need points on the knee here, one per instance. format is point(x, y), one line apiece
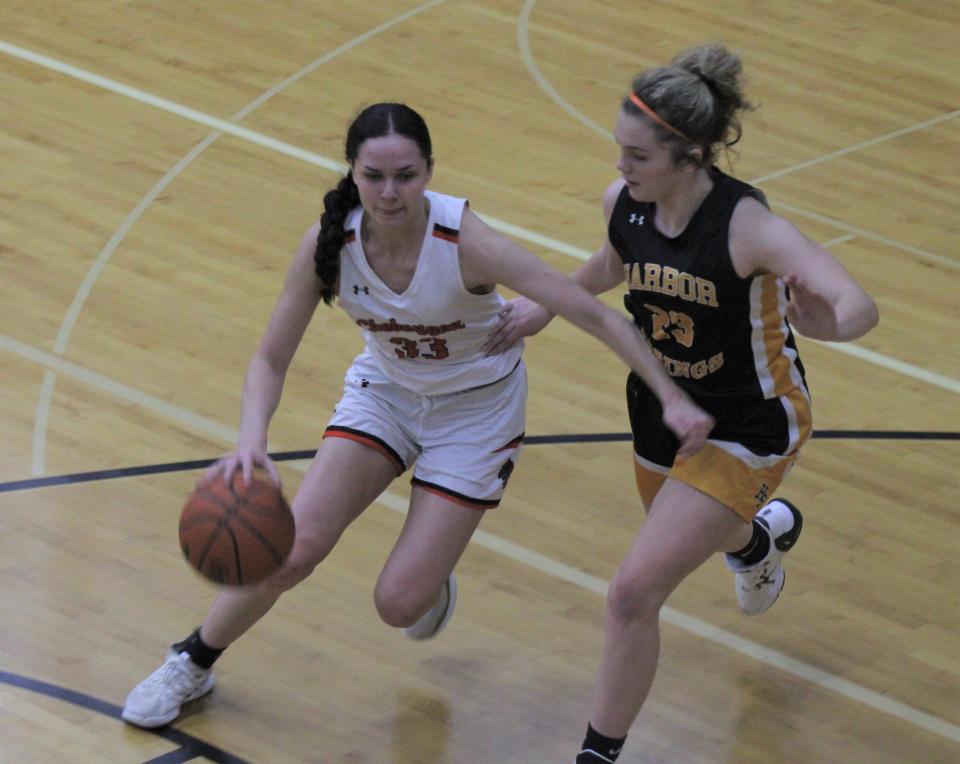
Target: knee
point(398, 606)
point(634, 598)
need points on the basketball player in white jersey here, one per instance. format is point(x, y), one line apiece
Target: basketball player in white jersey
point(417, 272)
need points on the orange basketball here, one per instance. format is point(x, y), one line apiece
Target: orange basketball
point(236, 534)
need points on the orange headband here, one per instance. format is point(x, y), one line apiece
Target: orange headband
point(654, 116)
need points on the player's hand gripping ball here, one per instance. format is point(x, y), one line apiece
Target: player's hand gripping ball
point(236, 534)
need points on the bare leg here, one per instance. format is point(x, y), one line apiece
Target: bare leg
point(433, 538)
point(683, 528)
point(343, 480)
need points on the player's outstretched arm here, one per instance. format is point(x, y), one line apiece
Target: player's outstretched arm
point(489, 257)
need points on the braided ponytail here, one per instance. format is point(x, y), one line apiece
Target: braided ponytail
point(337, 203)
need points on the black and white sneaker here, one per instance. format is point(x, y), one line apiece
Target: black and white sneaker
point(759, 585)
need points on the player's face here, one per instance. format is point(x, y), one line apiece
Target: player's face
point(391, 175)
point(645, 163)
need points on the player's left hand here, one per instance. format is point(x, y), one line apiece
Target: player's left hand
point(518, 318)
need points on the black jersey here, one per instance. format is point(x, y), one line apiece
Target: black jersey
point(718, 335)
point(723, 338)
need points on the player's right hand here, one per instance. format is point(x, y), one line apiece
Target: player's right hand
point(690, 423)
point(246, 459)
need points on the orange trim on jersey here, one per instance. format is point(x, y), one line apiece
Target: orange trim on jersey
point(456, 498)
point(447, 234)
point(512, 444)
point(369, 442)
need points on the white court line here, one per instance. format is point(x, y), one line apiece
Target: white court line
point(531, 64)
point(838, 240)
point(227, 435)
point(171, 107)
point(704, 630)
point(248, 135)
point(59, 365)
point(507, 228)
point(523, 42)
point(223, 434)
point(859, 146)
point(44, 399)
point(946, 262)
point(930, 377)
point(339, 168)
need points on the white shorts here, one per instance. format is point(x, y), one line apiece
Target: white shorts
point(464, 444)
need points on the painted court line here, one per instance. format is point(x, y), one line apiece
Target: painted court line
point(243, 133)
point(55, 363)
point(859, 146)
point(526, 53)
point(44, 399)
point(321, 161)
point(528, 557)
point(494, 543)
point(946, 262)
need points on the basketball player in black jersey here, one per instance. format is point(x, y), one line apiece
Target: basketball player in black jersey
point(717, 283)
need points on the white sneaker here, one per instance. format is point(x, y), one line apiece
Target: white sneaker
point(157, 699)
point(436, 618)
point(759, 585)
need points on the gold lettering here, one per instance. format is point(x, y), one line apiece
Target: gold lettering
point(651, 277)
point(696, 370)
point(669, 283)
point(707, 293)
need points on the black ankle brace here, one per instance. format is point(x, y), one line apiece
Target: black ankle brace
point(758, 546)
point(199, 651)
point(599, 749)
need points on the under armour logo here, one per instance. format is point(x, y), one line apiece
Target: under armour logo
point(635, 218)
point(357, 289)
point(761, 496)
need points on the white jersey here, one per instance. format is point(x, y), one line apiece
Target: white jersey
point(428, 338)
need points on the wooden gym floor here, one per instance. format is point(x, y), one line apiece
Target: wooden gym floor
point(160, 162)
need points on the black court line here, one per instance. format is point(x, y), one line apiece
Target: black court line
point(190, 747)
point(530, 440)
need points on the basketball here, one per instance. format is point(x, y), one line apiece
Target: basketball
point(236, 534)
